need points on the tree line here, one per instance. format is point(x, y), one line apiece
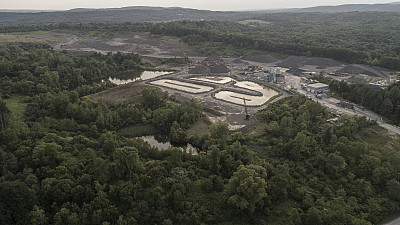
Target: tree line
point(351, 37)
point(385, 102)
point(34, 68)
point(65, 162)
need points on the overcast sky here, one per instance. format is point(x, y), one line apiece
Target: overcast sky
point(198, 4)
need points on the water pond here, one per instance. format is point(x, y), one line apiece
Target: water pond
point(164, 144)
point(135, 76)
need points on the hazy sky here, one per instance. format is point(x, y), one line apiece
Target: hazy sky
point(198, 4)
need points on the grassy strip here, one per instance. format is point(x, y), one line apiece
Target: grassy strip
point(138, 130)
point(17, 106)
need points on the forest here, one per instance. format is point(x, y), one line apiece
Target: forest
point(385, 102)
point(351, 37)
point(365, 38)
point(64, 161)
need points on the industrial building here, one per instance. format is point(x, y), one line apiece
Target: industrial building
point(317, 88)
point(272, 75)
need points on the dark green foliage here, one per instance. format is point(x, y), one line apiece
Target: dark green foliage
point(5, 115)
point(16, 201)
point(385, 102)
point(354, 37)
point(321, 173)
point(64, 161)
point(31, 68)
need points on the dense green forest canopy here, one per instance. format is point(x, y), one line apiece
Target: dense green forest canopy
point(33, 68)
point(385, 102)
point(119, 15)
point(354, 37)
point(63, 160)
point(367, 38)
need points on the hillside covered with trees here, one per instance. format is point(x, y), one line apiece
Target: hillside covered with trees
point(64, 161)
point(365, 38)
point(352, 37)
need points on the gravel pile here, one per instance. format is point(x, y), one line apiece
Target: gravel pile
point(357, 79)
point(293, 62)
point(322, 62)
point(300, 61)
point(221, 68)
point(200, 69)
point(238, 61)
point(361, 69)
point(260, 58)
point(295, 71)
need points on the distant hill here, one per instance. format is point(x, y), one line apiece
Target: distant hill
point(163, 14)
point(118, 15)
point(25, 10)
point(389, 7)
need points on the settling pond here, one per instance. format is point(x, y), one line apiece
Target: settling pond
point(136, 76)
point(183, 86)
point(237, 98)
point(166, 145)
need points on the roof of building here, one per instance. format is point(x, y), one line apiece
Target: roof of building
point(318, 85)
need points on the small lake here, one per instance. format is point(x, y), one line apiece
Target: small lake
point(164, 145)
point(135, 76)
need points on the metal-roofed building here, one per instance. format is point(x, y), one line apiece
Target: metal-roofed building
point(317, 88)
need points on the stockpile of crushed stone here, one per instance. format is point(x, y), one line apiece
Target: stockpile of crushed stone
point(221, 68)
point(322, 62)
point(293, 62)
point(260, 58)
point(357, 79)
point(200, 69)
point(217, 59)
point(295, 71)
point(361, 69)
point(239, 61)
point(300, 61)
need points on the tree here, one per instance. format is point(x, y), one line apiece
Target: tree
point(16, 201)
point(247, 188)
point(393, 188)
point(177, 134)
point(152, 99)
point(5, 115)
point(38, 216)
point(127, 163)
point(219, 131)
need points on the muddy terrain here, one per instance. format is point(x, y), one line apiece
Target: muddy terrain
point(141, 43)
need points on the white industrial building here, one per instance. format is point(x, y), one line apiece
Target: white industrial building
point(317, 88)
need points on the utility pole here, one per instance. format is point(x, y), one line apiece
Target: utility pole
point(245, 109)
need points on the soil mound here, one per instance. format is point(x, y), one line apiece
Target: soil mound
point(260, 58)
